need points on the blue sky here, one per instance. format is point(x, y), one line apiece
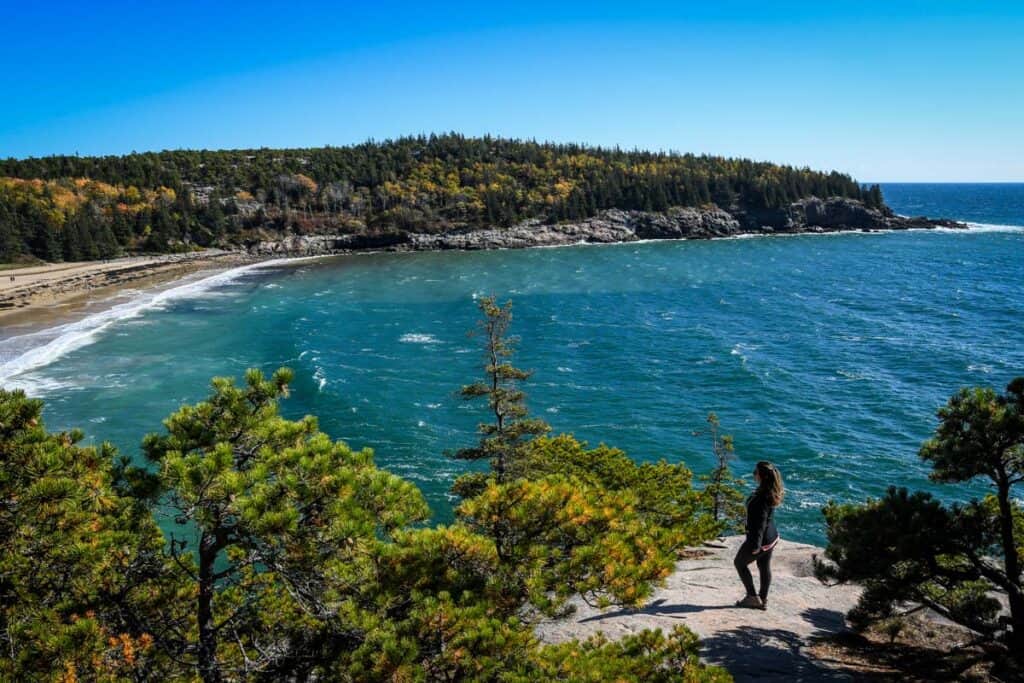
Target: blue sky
point(929, 91)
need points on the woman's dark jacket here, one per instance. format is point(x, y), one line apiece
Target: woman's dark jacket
point(761, 529)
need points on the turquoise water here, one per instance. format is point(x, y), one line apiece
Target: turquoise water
point(826, 354)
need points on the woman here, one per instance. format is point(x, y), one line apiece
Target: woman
point(762, 536)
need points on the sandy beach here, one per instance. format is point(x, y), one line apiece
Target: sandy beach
point(54, 290)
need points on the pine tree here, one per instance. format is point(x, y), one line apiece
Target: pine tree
point(910, 548)
point(81, 594)
point(308, 563)
point(875, 199)
point(285, 519)
point(72, 248)
point(722, 489)
point(106, 242)
point(11, 245)
point(502, 440)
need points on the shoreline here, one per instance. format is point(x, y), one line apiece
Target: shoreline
point(51, 294)
point(58, 290)
point(58, 284)
point(47, 334)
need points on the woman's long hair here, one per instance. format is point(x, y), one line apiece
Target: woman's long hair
point(771, 483)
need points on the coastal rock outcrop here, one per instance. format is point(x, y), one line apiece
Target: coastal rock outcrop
point(315, 245)
point(834, 214)
point(753, 645)
point(810, 215)
point(599, 229)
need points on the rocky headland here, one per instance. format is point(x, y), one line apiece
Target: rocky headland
point(30, 289)
point(614, 226)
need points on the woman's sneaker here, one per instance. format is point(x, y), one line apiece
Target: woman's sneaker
point(751, 601)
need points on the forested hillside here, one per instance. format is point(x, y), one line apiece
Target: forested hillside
point(75, 208)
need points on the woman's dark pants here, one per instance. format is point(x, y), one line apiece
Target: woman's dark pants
point(764, 568)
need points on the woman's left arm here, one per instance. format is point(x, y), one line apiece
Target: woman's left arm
point(757, 523)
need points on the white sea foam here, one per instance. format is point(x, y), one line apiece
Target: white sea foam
point(321, 379)
point(37, 386)
point(740, 350)
point(984, 227)
point(850, 375)
point(44, 347)
point(418, 338)
point(972, 229)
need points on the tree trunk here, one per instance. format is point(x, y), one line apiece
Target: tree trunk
point(1011, 562)
point(499, 416)
point(209, 669)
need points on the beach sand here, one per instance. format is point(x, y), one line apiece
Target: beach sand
point(35, 296)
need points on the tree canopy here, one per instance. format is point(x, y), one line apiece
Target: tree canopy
point(80, 558)
point(963, 561)
point(285, 555)
point(71, 207)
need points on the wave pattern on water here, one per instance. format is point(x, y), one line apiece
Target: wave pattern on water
point(24, 353)
point(826, 356)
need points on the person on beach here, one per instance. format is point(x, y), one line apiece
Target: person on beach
point(762, 536)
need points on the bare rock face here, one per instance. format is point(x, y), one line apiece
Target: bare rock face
point(528, 234)
point(753, 645)
point(315, 245)
point(617, 225)
point(293, 245)
point(686, 223)
point(607, 227)
point(837, 214)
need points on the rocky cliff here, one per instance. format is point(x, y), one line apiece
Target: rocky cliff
point(805, 216)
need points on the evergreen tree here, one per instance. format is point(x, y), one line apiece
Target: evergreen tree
point(286, 523)
point(80, 559)
point(417, 183)
point(875, 197)
point(11, 245)
point(723, 489)
point(556, 511)
point(911, 548)
point(72, 248)
point(668, 498)
point(162, 230)
point(106, 242)
point(310, 564)
point(214, 219)
point(502, 440)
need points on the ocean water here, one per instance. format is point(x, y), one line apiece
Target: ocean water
point(825, 354)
